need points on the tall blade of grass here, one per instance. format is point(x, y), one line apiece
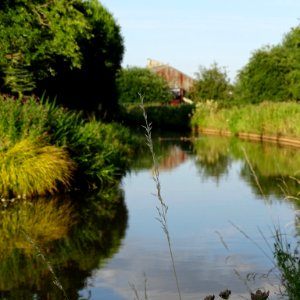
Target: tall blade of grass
point(163, 208)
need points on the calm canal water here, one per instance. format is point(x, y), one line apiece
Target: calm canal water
point(225, 198)
point(221, 219)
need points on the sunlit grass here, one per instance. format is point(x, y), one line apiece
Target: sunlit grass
point(268, 118)
point(30, 168)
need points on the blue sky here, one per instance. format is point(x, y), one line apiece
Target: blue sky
point(190, 33)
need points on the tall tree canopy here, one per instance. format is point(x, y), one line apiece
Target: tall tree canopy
point(134, 81)
point(211, 84)
point(70, 49)
point(273, 72)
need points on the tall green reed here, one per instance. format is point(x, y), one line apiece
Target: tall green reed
point(21, 118)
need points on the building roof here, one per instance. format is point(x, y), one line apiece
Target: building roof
point(174, 77)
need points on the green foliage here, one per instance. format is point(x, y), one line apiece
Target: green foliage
point(272, 73)
point(34, 32)
point(22, 118)
point(211, 84)
point(133, 82)
point(71, 49)
point(29, 169)
point(162, 117)
point(101, 152)
point(288, 262)
point(264, 77)
point(267, 118)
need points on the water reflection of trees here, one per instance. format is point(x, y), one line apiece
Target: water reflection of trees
point(274, 167)
point(212, 157)
point(273, 185)
point(97, 224)
point(170, 153)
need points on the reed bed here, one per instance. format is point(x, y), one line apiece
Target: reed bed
point(21, 118)
point(269, 118)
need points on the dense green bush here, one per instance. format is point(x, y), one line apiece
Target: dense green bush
point(272, 73)
point(70, 49)
point(211, 84)
point(162, 117)
point(133, 82)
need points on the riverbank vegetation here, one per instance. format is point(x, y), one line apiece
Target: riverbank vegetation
point(162, 117)
point(269, 118)
point(45, 148)
point(133, 82)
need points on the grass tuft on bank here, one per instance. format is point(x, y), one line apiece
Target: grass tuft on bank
point(30, 168)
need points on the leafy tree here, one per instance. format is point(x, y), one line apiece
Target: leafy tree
point(212, 83)
point(273, 72)
point(134, 81)
point(71, 49)
point(264, 77)
point(291, 44)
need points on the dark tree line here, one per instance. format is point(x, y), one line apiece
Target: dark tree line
point(72, 50)
point(67, 49)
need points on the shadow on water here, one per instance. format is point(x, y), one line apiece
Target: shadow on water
point(75, 239)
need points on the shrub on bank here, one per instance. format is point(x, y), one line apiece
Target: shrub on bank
point(162, 117)
point(134, 81)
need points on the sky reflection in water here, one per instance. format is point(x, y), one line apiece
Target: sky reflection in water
point(209, 251)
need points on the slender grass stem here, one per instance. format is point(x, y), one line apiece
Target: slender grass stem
point(163, 208)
